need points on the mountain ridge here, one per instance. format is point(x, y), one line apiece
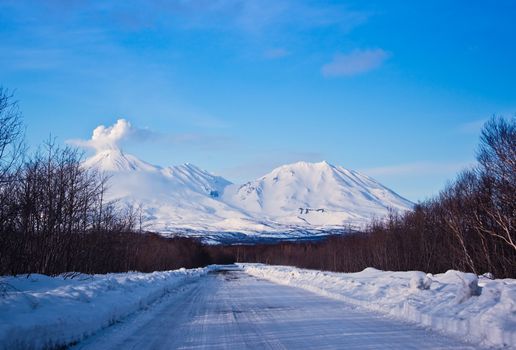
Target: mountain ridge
point(298, 198)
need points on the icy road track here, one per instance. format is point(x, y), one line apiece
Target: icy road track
point(232, 310)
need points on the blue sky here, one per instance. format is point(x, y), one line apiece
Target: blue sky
point(395, 89)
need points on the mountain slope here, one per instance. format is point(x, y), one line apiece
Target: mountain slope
point(178, 197)
point(296, 199)
point(114, 160)
point(317, 194)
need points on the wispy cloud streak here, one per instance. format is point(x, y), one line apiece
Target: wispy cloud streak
point(354, 63)
point(418, 168)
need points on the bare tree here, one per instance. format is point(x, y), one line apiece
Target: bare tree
point(497, 151)
point(11, 135)
point(497, 169)
point(12, 150)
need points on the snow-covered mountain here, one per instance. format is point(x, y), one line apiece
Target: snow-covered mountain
point(317, 194)
point(177, 197)
point(114, 160)
point(301, 199)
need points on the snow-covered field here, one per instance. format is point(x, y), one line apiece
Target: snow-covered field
point(479, 310)
point(41, 312)
point(227, 307)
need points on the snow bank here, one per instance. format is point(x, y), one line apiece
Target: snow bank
point(479, 310)
point(45, 312)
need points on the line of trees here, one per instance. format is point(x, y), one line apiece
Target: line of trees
point(54, 218)
point(469, 226)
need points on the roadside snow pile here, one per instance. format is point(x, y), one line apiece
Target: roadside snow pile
point(456, 303)
point(47, 312)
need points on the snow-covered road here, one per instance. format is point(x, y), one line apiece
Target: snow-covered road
point(232, 310)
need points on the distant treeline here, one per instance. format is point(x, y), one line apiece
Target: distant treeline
point(469, 226)
point(97, 252)
point(54, 218)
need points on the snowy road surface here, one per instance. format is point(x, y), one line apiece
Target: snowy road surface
point(232, 310)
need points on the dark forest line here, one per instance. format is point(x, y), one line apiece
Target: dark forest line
point(54, 219)
point(469, 226)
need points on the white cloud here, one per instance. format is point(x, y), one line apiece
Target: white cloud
point(111, 137)
point(418, 168)
point(260, 16)
point(272, 54)
point(106, 137)
point(354, 63)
